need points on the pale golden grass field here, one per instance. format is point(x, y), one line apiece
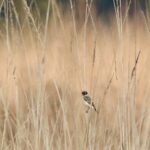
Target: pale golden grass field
point(41, 107)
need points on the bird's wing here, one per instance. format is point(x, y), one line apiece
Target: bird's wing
point(87, 99)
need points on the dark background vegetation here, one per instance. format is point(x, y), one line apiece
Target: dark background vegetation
point(103, 8)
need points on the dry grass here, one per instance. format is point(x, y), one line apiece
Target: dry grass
point(43, 74)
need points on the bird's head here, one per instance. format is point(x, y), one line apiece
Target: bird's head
point(84, 93)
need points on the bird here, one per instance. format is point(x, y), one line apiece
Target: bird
point(88, 101)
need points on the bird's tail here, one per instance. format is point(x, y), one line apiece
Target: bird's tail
point(94, 106)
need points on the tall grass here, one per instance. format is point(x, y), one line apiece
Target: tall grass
point(45, 66)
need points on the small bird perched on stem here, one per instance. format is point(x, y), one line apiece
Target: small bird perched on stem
point(88, 101)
